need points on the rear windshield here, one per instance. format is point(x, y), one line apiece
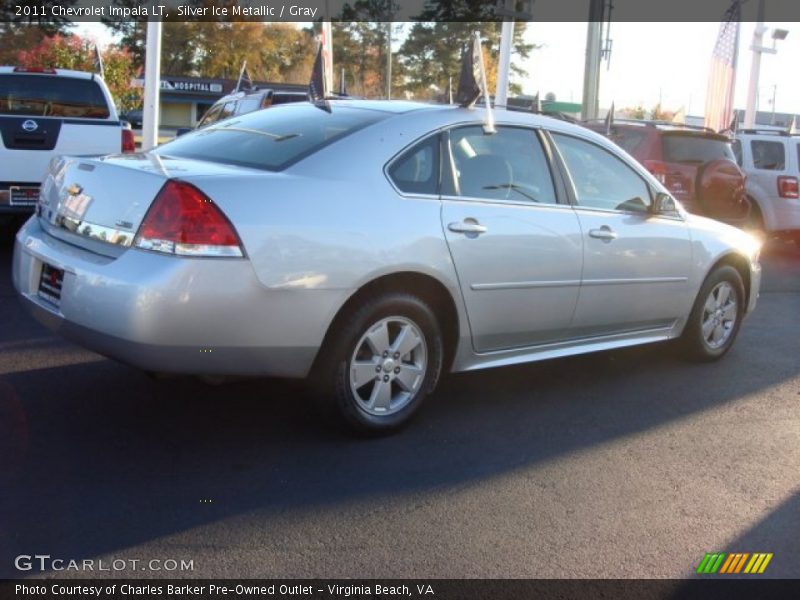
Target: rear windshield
point(682, 148)
point(52, 96)
point(271, 139)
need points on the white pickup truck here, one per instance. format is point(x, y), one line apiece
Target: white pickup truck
point(46, 113)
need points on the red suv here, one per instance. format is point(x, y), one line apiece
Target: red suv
point(695, 164)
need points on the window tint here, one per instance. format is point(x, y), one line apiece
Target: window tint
point(692, 148)
point(416, 171)
point(602, 180)
point(769, 156)
point(736, 146)
point(271, 139)
point(507, 165)
point(52, 96)
point(212, 116)
point(627, 139)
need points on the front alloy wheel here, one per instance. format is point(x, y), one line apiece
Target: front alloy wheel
point(716, 316)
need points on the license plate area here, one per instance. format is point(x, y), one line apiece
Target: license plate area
point(23, 195)
point(50, 283)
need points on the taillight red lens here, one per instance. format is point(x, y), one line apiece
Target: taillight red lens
point(35, 70)
point(183, 220)
point(128, 141)
point(657, 168)
point(788, 188)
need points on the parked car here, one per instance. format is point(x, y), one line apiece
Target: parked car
point(695, 164)
point(771, 160)
point(371, 247)
point(243, 102)
point(45, 113)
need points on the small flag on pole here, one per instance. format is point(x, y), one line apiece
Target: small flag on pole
point(536, 104)
point(244, 79)
point(342, 84)
point(722, 75)
point(680, 116)
point(98, 63)
point(610, 119)
point(473, 81)
point(793, 126)
point(317, 89)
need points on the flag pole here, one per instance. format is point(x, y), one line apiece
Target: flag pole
point(241, 74)
point(488, 126)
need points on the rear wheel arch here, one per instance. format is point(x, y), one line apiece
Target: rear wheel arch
point(429, 289)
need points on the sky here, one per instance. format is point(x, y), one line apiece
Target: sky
point(649, 61)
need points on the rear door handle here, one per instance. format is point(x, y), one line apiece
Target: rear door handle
point(467, 226)
point(605, 233)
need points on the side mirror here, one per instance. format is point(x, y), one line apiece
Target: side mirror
point(664, 204)
point(182, 131)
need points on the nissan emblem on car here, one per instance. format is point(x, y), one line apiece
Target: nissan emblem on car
point(30, 125)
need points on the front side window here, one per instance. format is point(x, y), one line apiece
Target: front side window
point(212, 116)
point(416, 171)
point(769, 156)
point(602, 180)
point(507, 165)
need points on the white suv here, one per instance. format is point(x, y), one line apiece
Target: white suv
point(46, 113)
point(771, 160)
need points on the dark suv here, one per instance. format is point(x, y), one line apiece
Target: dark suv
point(695, 164)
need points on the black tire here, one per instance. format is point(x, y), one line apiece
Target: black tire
point(335, 365)
point(695, 344)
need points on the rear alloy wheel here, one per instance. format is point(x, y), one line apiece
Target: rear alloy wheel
point(386, 359)
point(716, 316)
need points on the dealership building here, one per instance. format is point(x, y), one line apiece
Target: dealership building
point(184, 100)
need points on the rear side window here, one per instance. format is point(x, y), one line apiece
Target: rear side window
point(271, 139)
point(694, 149)
point(507, 165)
point(52, 96)
point(627, 139)
point(416, 171)
point(768, 156)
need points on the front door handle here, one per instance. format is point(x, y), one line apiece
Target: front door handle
point(605, 233)
point(467, 226)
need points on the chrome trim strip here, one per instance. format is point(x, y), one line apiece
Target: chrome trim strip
point(635, 280)
point(101, 233)
point(517, 285)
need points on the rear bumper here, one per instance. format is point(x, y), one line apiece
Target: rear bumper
point(785, 215)
point(174, 315)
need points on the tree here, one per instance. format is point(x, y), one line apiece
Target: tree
point(73, 52)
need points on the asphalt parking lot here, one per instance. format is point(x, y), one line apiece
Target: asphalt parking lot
point(622, 464)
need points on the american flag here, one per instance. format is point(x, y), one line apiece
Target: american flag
point(722, 75)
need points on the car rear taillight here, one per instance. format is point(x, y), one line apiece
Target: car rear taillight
point(128, 141)
point(657, 168)
point(35, 70)
point(184, 221)
point(788, 188)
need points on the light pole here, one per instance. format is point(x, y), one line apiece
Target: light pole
point(755, 66)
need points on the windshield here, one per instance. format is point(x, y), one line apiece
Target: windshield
point(271, 139)
point(51, 96)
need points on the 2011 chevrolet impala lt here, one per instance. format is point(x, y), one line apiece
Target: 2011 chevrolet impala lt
point(372, 245)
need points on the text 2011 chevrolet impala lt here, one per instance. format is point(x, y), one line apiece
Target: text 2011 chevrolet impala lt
point(372, 246)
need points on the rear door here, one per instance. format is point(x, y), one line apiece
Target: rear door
point(636, 265)
point(516, 246)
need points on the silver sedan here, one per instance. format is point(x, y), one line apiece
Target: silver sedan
point(372, 246)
